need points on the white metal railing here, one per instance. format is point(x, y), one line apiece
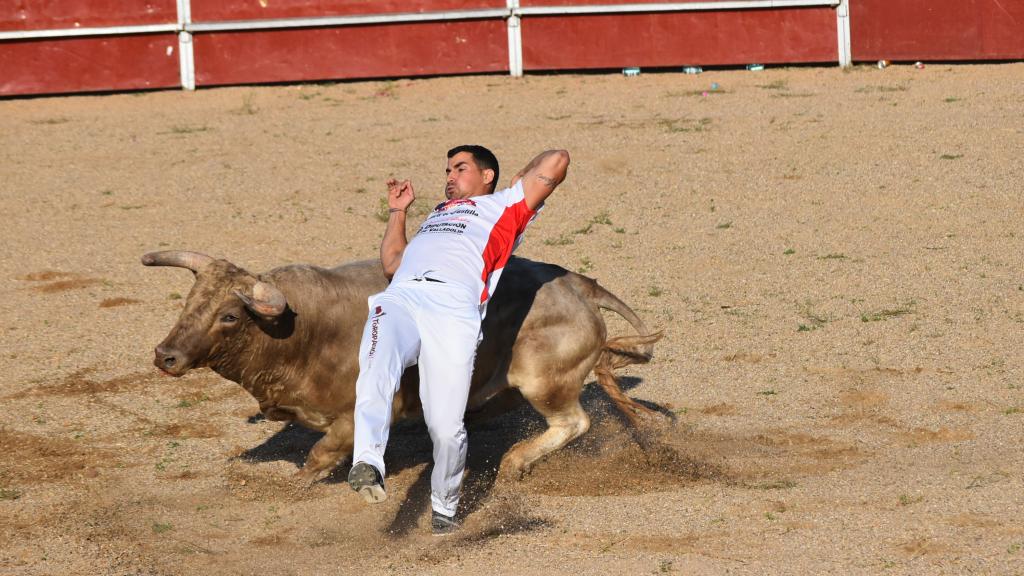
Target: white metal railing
point(98, 31)
point(186, 57)
point(670, 7)
point(512, 13)
point(843, 33)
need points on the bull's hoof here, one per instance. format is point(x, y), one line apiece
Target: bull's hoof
point(305, 478)
point(513, 470)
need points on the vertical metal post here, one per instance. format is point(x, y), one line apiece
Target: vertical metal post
point(186, 57)
point(843, 33)
point(515, 41)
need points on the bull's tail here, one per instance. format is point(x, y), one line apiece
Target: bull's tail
point(623, 351)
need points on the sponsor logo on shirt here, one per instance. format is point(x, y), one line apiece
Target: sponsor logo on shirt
point(449, 227)
point(451, 217)
point(448, 204)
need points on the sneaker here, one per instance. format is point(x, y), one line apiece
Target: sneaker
point(367, 481)
point(441, 524)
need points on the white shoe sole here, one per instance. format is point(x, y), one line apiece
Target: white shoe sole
point(373, 494)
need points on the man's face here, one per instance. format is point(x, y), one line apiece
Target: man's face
point(465, 178)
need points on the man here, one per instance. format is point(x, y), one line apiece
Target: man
point(430, 314)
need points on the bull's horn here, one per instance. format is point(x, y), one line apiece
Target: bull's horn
point(194, 261)
point(266, 301)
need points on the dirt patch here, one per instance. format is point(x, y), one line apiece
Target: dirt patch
point(30, 458)
point(604, 543)
point(618, 464)
point(969, 520)
point(720, 409)
point(274, 539)
point(65, 285)
point(120, 301)
point(776, 437)
point(940, 435)
point(772, 459)
point(748, 357)
point(951, 406)
point(861, 376)
point(47, 275)
point(249, 483)
point(79, 383)
point(797, 453)
point(864, 398)
point(52, 281)
point(504, 512)
point(621, 465)
point(924, 547)
point(189, 430)
point(861, 416)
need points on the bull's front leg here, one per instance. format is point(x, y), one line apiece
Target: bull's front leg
point(336, 444)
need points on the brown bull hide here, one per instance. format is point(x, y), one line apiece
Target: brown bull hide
point(543, 335)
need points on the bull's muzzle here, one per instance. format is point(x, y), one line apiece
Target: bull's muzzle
point(169, 361)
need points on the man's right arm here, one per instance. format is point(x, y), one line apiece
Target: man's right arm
point(542, 175)
point(400, 196)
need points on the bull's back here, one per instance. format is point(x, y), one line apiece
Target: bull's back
point(313, 291)
point(542, 311)
point(530, 288)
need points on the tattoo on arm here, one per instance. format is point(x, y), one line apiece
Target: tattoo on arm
point(534, 163)
point(550, 182)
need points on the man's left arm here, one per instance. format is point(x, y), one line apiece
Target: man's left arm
point(542, 175)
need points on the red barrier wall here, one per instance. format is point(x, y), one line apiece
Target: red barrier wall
point(678, 38)
point(48, 14)
point(214, 10)
point(414, 49)
point(89, 64)
point(937, 30)
point(895, 30)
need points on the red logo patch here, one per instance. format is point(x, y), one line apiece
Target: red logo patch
point(453, 203)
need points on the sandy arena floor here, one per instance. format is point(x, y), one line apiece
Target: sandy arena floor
point(835, 258)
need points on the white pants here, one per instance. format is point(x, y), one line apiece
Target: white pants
point(438, 326)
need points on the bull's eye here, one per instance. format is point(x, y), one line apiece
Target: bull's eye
point(229, 318)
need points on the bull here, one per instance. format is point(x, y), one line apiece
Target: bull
point(291, 338)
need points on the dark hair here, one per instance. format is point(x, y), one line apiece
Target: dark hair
point(483, 157)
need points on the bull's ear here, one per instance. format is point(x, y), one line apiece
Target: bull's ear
point(266, 301)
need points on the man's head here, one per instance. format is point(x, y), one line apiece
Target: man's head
point(472, 171)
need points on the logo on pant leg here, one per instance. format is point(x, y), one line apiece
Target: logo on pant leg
point(377, 313)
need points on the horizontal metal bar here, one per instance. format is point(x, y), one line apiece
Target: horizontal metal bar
point(668, 7)
point(327, 21)
point(358, 20)
point(104, 31)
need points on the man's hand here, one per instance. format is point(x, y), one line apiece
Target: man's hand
point(400, 194)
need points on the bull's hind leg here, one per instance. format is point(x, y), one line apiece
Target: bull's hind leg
point(565, 424)
point(550, 361)
point(551, 384)
point(326, 453)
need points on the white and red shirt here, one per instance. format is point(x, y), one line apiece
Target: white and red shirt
point(467, 242)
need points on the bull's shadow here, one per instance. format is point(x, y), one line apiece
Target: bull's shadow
point(409, 446)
